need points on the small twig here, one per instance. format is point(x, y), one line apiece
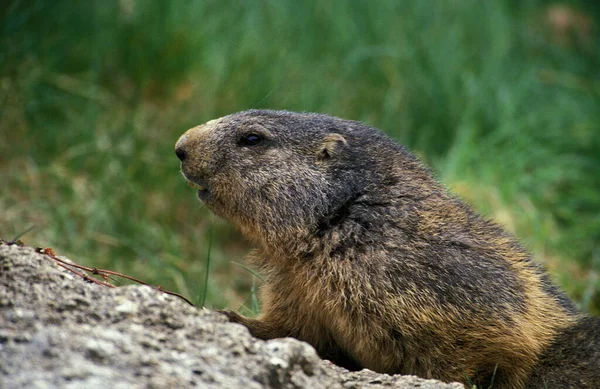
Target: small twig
point(16, 238)
point(105, 274)
point(85, 277)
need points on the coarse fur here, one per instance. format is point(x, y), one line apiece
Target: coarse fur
point(369, 259)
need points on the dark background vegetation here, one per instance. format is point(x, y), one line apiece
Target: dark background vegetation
point(502, 98)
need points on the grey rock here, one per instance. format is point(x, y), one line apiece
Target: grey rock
point(58, 331)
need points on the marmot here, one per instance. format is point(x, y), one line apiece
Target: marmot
point(370, 260)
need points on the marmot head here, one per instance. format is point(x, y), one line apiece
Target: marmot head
point(277, 175)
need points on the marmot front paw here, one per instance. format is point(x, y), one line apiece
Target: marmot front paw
point(232, 316)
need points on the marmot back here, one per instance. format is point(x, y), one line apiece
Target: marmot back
point(369, 259)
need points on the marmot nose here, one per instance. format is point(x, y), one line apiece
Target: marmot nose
point(180, 152)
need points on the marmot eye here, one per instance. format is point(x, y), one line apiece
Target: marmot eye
point(250, 140)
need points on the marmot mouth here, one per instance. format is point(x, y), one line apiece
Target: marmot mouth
point(201, 185)
point(195, 181)
point(200, 188)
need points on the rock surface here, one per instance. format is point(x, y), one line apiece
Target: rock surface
point(58, 331)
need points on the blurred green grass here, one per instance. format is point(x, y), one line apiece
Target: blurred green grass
point(501, 98)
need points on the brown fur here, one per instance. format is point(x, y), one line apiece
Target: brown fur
point(369, 259)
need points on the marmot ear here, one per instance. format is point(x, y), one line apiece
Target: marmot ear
point(332, 144)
